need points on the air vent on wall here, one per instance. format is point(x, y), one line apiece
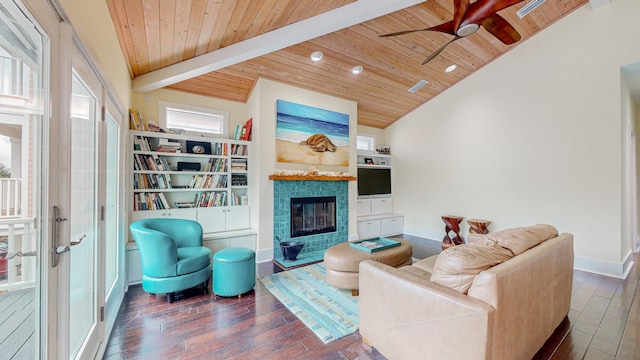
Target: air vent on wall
point(419, 85)
point(525, 10)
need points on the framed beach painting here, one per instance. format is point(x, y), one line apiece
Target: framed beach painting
point(309, 135)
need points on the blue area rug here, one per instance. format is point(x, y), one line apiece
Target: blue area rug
point(329, 312)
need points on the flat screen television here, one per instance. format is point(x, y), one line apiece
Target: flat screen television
point(374, 181)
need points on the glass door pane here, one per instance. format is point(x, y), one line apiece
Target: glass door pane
point(23, 57)
point(82, 217)
point(112, 240)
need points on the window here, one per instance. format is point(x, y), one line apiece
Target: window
point(194, 119)
point(365, 143)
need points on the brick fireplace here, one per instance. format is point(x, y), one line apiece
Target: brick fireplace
point(284, 189)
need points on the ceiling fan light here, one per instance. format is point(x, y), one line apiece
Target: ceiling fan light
point(467, 30)
point(450, 68)
point(316, 56)
point(357, 70)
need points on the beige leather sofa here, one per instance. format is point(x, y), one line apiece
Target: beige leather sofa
point(498, 297)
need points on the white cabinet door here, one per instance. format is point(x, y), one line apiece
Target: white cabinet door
point(364, 207)
point(392, 226)
point(381, 206)
point(368, 229)
point(237, 217)
point(212, 219)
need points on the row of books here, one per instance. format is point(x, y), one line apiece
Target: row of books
point(243, 132)
point(141, 143)
point(238, 149)
point(239, 199)
point(150, 201)
point(238, 164)
point(169, 145)
point(208, 181)
point(211, 199)
point(135, 120)
point(216, 165)
point(158, 201)
point(150, 162)
point(151, 181)
point(238, 179)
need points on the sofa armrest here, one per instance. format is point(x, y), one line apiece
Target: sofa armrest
point(406, 316)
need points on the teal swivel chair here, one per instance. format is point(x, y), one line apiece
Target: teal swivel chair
point(173, 258)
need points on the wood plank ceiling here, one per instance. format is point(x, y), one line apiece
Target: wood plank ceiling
point(154, 34)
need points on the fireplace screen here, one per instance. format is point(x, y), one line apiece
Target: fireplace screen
point(313, 215)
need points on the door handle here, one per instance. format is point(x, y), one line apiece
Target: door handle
point(65, 248)
point(55, 239)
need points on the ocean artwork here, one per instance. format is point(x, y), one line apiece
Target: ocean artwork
point(309, 135)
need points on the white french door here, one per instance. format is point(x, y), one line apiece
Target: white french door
point(64, 228)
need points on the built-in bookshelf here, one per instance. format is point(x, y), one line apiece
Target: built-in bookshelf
point(190, 177)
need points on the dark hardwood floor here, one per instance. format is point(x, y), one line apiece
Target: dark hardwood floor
point(604, 323)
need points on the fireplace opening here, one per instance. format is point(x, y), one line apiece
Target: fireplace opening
point(313, 215)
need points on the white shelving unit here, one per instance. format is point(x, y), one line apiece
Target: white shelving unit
point(376, 215)
point(211, 188)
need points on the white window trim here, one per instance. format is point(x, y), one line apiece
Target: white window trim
point(162, 116)
point(372, 151)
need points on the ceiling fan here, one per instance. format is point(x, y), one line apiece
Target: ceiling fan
point(468, 16)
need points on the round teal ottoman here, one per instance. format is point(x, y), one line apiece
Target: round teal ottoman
point(234, 271)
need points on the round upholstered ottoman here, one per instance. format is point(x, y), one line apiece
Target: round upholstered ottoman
point(342, 262)
point(234, 271)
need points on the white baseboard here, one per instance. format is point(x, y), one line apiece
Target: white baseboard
point(607, 268)
point(428, 234)
point(264, 255)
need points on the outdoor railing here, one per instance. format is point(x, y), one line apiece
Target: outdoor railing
point(20, 237)
point(10, 198)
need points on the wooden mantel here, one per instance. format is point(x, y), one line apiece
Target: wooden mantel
point(312, 177)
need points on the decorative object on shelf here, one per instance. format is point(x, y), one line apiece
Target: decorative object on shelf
point(477, 226)
point(368, 161)
point(383, 162)
point(452, 231)
point(290, 249)
point(384, 149)
point(198, 147)
point(305, 134)
point(188, 166)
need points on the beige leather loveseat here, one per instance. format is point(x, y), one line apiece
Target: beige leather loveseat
point(498, 297)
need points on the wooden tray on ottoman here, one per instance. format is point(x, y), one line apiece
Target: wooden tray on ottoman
point(375, 244)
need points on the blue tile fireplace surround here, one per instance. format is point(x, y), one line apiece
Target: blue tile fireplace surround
point(316, 244)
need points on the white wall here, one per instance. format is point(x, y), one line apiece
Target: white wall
point(534, 137)
point(92, 23)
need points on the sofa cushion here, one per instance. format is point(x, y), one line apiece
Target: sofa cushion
point(457, 266)
point(519, 240)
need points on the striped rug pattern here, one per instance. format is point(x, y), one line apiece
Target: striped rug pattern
point(329, 312)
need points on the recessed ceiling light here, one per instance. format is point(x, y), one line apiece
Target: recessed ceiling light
point(316, 56)
point(357, 70)
point(450, 68)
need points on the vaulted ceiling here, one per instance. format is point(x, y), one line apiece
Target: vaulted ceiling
point(220, 48)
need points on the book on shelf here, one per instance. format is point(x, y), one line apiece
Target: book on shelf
point(246, 134)
point(135, 120)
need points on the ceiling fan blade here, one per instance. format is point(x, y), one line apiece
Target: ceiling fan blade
point(459, 10)
point(446, 28)
point(497, 26)
point(481, 9)
point(437, 52)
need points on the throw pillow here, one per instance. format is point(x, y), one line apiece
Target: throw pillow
point(519, 240)
point(457, 266)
